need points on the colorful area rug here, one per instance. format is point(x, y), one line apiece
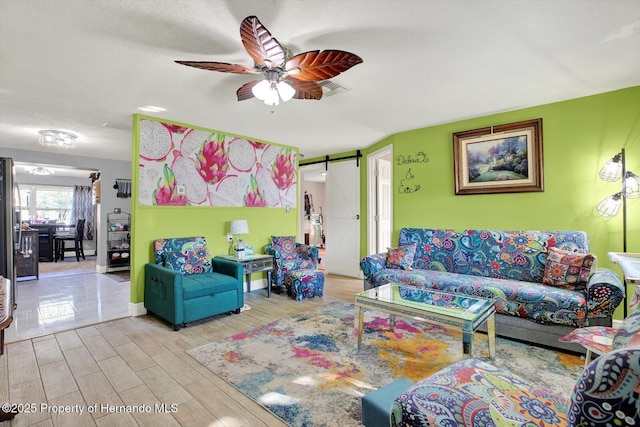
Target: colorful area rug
point(306, 370)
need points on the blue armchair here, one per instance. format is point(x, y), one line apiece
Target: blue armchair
point(290, 255)
point(185, 284)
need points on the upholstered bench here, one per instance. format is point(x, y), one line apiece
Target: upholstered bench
point(376, 406)
point(304, 283)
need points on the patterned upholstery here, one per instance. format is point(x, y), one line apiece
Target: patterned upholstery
point(602, 339)
point(607, 392)
point(304, 283)
point(188, 255)
point(303, 257)
point(507, 266)
point(473, 393)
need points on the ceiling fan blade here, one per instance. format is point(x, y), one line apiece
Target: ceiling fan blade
point(245, 92)
point(261, 45)
point(305, 89)
point(220, 66)
point(316, 66)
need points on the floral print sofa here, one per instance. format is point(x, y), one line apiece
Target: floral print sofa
point(474, 393)
point(536, 300)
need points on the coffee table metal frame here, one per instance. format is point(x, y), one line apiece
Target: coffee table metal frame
point(466, 317)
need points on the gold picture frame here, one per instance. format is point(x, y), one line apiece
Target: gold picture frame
point(499, 159)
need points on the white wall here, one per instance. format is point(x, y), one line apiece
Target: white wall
point(110, 170)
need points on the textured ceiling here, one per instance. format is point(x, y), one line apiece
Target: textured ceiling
point(86, 66)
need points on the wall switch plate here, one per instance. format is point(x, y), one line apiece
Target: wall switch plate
point(229, 237)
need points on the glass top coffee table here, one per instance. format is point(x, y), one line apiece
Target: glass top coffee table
point(456, 311)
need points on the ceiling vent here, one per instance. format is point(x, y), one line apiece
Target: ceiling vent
point(330, 88)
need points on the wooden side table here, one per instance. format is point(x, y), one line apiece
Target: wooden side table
point(254, 264)
point(629, 263)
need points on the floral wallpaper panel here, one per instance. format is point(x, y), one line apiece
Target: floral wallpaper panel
point(180, 166)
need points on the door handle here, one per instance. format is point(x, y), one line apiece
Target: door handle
point(357, 216)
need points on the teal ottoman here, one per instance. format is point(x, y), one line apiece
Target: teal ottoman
point(376, 406)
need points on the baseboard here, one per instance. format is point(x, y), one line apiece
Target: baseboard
point(257, 284)
point(137, 309)
point(616, 323)
point(101, 269)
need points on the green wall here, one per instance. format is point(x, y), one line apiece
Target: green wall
point(579, 136)
point(154, 222)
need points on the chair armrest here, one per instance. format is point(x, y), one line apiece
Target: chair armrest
point(163, 292)
point(227, 267)
point(605, 292)
point(373, 263)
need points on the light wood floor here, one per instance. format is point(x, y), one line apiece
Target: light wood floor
point(141, 361)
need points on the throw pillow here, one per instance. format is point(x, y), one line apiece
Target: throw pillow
point(401, 257)
point(286, 245)
point(567, 270)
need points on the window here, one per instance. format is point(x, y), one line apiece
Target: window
point(43, 203)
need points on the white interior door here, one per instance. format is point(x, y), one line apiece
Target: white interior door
point(383, 208)
point(342, 219)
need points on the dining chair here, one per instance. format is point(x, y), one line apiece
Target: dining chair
point(76, 236)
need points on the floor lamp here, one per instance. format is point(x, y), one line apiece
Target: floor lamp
point(613, 170)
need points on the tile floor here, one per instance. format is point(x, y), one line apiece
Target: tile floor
point(58, 303)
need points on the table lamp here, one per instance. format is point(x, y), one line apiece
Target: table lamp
point(238, 226)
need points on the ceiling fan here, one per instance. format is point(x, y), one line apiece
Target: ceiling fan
point(284, 76)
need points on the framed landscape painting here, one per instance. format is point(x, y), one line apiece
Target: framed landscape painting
point(499, 159)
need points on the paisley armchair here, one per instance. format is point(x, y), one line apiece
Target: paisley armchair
point(290, 255)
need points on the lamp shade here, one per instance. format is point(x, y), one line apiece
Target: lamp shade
point(286, 91)
point(610, 206)
point(631, 185)
point(239, 226)
point(261, 90)
point(612, 170)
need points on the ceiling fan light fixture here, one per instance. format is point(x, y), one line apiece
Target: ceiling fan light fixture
point(286, 91)
point(57, 139)
point(272, 97)
point(261, 90)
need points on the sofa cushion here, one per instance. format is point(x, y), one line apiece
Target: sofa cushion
point(567, 269)
point(518, 255)
point(540, 303)
point(401, 257)
point(198, 285)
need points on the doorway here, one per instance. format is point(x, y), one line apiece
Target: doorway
point(379, 205)
point(312, 205)
point(342, 218)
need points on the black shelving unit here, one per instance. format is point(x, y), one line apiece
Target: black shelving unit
point(118, 241)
